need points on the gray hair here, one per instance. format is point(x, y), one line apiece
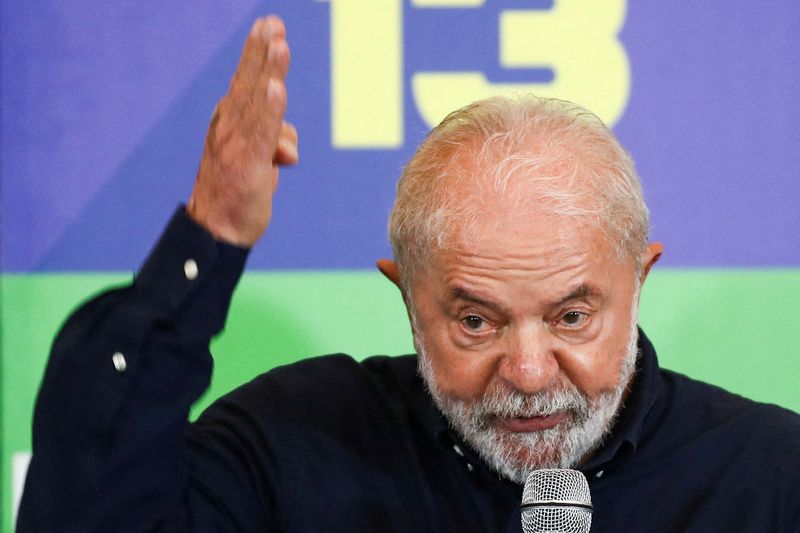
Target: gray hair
point(576, 164)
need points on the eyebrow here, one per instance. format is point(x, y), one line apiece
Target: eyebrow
point(581, 292)
point(460, 293)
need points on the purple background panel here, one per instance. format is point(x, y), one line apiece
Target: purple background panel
point(82, 83)
point(105, 107)
point(714, 126)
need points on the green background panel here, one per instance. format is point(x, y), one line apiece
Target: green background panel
point(728, 327)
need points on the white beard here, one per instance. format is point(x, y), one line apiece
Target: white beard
point(514, 455)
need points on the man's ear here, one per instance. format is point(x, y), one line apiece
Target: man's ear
point(392, 272)
point(389, 269)
point(651, 257)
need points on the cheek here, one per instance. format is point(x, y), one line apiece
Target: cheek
point(595, 367)
point(592, 370)
point(465, 374)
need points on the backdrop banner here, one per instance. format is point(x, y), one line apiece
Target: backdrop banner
point(105, 106)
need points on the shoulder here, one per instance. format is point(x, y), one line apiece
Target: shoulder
point(316, 411)
point(718, 403)
point(701, 410)
point(332, 384)
point(341, 371)
point(750, 448)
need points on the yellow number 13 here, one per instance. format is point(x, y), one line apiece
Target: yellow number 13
point(577, 39)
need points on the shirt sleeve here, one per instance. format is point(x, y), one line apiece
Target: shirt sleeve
point(109, 449)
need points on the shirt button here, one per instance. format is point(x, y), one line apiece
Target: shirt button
point(470, 468)
point(119, 361)
point(599, 474)
point(190, 269)
point(457, 449)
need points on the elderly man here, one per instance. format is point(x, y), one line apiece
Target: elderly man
point(520, 241)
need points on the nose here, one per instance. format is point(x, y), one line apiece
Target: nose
point(530, 362)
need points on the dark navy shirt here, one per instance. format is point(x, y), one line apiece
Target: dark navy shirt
point(331, 444)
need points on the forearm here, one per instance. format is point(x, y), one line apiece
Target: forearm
point(109, 425)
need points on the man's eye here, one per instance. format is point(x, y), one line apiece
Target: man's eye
point(574, 319)
point(473, 323)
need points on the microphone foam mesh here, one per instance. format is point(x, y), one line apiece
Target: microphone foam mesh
point(556, 485)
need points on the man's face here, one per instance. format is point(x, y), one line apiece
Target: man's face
point(527, 338)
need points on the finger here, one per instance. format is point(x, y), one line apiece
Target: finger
point(268, 112)
point(278, 53)
point(286, 152)
point(276, 26)
point(271, 80)
point(277, 61)
point(271, 59)
point(265, 102)
point(254, 53)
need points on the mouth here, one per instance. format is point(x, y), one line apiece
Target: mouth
point(520, 424)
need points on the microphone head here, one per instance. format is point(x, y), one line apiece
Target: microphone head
point(556, 501)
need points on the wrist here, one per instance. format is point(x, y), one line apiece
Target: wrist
point(220, 227)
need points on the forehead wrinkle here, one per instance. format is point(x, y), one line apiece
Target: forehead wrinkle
point(487, 224)
point(542, 262)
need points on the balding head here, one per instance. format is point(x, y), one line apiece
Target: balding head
point(502, 158)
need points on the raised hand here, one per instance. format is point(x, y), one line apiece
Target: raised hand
point(247, 142)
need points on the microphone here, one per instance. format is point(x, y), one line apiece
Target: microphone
point(556, 501)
